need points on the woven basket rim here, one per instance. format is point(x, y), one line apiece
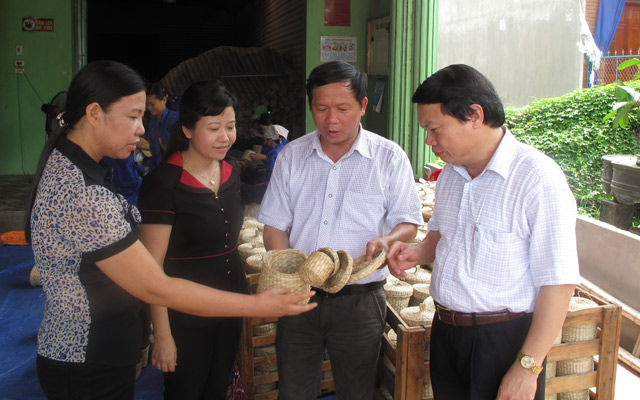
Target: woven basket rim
point(362, 267)
point(316, 268)
point(336, 282)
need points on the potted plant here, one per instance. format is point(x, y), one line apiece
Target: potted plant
point(621, 173)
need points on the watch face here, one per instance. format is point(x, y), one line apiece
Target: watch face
point(527, 362)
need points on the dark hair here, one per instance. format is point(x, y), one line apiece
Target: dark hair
point(205, 98)
point(266, 118)
point(338, 71)
point(157, 90)
point(456, 88)
point(102, 82)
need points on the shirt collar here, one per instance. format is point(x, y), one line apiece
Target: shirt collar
point(96, 172)
point(504, 155)
point(360, 145)
point(500, 162)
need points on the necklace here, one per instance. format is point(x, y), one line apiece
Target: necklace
point(207, 179)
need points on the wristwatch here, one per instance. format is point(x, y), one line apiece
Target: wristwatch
point(527, 362)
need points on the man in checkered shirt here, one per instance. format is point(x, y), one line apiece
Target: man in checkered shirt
point(502, 242)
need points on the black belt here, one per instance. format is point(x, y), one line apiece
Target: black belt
point(457, 318)
point(352, 289)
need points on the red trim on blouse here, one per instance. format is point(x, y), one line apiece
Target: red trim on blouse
point(190, 180)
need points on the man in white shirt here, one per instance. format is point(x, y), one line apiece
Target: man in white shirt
point(502, 240)
point(349, 189)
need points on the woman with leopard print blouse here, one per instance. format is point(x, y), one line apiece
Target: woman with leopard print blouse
point(93, 268)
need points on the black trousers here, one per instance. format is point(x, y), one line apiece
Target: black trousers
point(81, 381)
point(205, 358)
point(351, 328)
point(469, 362)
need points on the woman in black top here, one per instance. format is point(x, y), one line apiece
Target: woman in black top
point(92, 266)
point(192, 213)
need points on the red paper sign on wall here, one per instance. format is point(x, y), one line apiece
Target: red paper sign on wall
point(37, 24)
point(337, 12)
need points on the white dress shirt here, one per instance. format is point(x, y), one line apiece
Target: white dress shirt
point(505, 233)
point(341, 205)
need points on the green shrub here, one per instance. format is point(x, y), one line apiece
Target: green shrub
point(570, 130)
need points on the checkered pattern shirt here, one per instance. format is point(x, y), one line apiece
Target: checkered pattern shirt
point(505, 233)
point(344, 204)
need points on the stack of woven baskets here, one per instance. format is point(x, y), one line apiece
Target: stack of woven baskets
point(251, 245)
point(324, 268)
point(427, 194)
point(412, 290)
point(577, 333)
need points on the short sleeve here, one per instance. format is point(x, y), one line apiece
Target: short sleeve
point(95, 223)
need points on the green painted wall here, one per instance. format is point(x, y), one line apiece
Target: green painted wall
point(48, 70)
point(316, 28)
point(378, 122)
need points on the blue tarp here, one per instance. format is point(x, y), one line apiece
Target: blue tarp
point(21, 308)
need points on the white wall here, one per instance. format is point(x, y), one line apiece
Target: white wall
point(527, 48)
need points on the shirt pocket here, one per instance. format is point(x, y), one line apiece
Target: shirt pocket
point(498, 258)
point(362, 212)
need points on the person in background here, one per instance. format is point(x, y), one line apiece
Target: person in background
point(349, 189)
point(502, 236)
point(126, 176)
point(276, 139)
point(160, 123)
point(93, 269)
point(192, 213)
point(142, 154)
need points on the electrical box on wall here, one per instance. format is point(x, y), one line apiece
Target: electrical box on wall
point(378, 33)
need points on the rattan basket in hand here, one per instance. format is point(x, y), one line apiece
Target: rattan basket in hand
point(398, 294)
point(251, 222)
point(338, 280)
point(362, 267)
point(334, 256)
point(316, 268)
point(280, 270)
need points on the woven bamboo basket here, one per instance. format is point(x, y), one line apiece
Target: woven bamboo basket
point(252, 235)
point(266, 369)
point(398, 294)
point(262, 351)
point(577, 333)
point(362, 267)
point(417, 275)
point(249, 249)
point(316, 268)
point(393, 337)
point(334, 257)
point(420, 293)
point(417, 316)
point(265, 387)
point(251, 222)
point(281, 270)
point(339, 279)
point(430, 303)
point(265, 329)
point(253, 263)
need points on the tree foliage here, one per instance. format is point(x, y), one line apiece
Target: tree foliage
point(570, 129)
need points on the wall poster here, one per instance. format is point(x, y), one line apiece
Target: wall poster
point(334, 48)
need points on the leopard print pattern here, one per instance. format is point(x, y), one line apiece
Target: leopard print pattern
point(69, 219)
